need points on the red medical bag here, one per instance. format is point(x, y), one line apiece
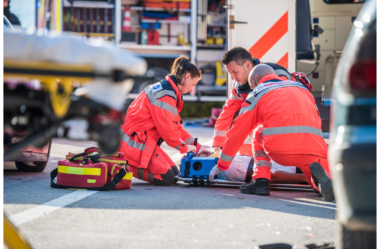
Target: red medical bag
point(93, 171)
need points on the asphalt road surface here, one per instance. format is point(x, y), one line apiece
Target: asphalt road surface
point(149, 216)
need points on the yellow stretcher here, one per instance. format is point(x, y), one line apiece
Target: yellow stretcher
point(103, 74)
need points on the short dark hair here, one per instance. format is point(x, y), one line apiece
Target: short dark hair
point(181, 66)
point(237, 54)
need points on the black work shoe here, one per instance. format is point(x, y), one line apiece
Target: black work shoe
point(323, 182)
point(257, 187)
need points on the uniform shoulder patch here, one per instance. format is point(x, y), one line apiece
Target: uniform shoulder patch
point(156, 87)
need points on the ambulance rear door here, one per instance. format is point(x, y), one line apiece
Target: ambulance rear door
point(264, 27)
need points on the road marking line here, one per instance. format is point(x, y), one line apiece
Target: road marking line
point(48, 207)
point(178, 156)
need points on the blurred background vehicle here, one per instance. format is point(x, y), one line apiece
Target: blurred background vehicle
point(352, 148)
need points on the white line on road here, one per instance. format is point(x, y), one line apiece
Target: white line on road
point(178, 156)
point(48, 207)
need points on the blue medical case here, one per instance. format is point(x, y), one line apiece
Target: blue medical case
point(197, 168)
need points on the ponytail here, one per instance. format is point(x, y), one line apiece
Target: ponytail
point(181, 66)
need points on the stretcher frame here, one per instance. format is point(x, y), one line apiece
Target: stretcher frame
point(216, 182)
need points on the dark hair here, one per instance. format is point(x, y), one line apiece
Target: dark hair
point(181, 66)
point(237, 54)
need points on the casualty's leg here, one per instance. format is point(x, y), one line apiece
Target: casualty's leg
point(261, 172)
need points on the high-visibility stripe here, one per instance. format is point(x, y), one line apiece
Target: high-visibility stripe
point(260, 153)
point(233, 96)
point(165, 106)
point(179, 146)
point(263, 163)
point(91, 181)
point(226, 158)
point(154, 99)
point(253, 100)
point(292, 129)
point(130, 142)
point(281, 72)
point(220, 133)
point(190, 140)
point(270, 38)
point(128, 176)
point(284, 61)
point(79, 171)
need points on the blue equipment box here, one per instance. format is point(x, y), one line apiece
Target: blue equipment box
point(197, 167)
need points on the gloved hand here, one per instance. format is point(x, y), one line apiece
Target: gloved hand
point(203, 148)
point(191, 148)
point(215, 171)
point(217, 149)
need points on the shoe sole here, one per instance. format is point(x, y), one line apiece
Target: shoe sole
point(256, 191)
point(325, 184)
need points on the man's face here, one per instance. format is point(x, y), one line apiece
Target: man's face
point(239, 73)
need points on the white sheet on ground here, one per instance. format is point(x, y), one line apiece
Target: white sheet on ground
point(239, 166)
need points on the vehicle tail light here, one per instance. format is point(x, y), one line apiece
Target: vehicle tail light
point(363, 75)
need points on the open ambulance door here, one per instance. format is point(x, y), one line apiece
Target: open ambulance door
point(265, 28)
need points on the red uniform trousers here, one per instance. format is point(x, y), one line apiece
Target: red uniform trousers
point(263, 164)
point(161, 169)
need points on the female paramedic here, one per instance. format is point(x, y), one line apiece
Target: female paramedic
point(153, 118)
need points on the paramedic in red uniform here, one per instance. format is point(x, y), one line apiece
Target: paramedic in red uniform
point(239, 62)
point(287, 129)
point(153, 118)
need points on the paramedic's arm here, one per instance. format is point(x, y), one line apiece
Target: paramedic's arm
point(223, 124)
point(243, 125)
point(164, 118)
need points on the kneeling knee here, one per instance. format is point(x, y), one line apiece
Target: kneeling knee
point(167, 179)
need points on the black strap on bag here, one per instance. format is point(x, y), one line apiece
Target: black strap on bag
point(93, 158)
point(109, 186)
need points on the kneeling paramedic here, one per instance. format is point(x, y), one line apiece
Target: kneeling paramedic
point(239, 62)
point(286, 125)
point(153, 118)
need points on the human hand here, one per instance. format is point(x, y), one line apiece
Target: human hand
point(203, 148)
point(191, 148)
point(215, 171)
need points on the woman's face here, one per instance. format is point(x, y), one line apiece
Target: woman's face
point(188, 83)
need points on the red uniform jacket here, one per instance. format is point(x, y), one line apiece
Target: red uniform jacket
point(286, 115)
point(153, 115)
point(233, 105)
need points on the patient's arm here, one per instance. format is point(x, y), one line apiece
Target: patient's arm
point(287, 178)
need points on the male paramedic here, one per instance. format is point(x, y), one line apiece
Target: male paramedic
point(239, 62)
point(287, 129)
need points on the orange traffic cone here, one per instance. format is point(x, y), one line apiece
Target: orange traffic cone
point(127, 20)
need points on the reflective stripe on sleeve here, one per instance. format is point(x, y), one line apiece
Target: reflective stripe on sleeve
point(253, 100)
point(179, 146)
point(190, 140)
point(130, 142)
point(292, 129)
point(226, 158)
point(220, 133)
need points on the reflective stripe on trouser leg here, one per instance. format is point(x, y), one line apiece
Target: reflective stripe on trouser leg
point(143, 174)
point(262, 168)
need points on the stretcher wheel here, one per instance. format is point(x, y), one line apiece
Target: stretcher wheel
point(109, 139)
point(31, 166)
